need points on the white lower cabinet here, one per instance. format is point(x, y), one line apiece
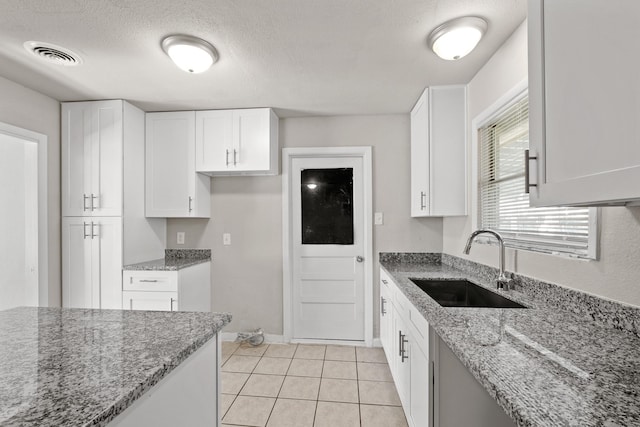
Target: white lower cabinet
point(92, 261)
point(435, 388)
point(187, 289)
point(405, 336)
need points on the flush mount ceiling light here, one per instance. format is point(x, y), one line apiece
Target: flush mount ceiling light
point(190, 54)
point(457, 38)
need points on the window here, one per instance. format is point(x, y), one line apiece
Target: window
point(504, 205)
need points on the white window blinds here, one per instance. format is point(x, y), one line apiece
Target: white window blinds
point(504, 205)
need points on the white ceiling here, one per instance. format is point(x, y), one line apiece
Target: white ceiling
point(303, 57)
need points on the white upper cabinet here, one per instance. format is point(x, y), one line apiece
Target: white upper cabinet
point(92, 166)
point(584, 95)
point(237, 142)
point(173, 188)
point(438, 153)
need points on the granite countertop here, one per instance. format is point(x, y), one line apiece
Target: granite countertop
point(544, 366)
point(175, 259)
point(80, 367)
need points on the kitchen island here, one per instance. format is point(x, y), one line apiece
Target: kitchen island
point(81, 367)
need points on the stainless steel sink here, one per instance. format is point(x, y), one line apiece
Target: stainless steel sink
point(462, 293)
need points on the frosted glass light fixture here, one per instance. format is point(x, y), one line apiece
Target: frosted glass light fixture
point(190, 54)
point(457, 38)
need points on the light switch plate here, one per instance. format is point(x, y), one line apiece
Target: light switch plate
point(378, 218)
point(180, 237)
point(226, 239)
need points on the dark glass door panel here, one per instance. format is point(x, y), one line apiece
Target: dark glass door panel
point(327, 206)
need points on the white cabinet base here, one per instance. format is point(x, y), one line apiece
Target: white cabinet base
point(187, 396)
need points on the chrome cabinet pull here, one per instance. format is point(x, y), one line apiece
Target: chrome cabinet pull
point(84, 231)
point(93, 207)
point(227, 157)
point(234, 156)
point(172, 300)
point(527, 159)
point(148, 280)
point(190, 203)
point(399, 343)
point(423, 200)
point(382, 302)
point(130, 303)
point(84, 202)
point(92, 233)
point(384, 281)
point(404, 351)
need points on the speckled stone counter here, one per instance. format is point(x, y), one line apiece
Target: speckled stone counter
point(543, 365)
point(174, 259)
point(76, 367)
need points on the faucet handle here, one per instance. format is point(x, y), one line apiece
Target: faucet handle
point(504, 282)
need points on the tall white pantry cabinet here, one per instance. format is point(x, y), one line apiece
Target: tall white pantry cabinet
point(103, 224)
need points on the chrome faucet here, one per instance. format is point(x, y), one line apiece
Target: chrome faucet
point(503, 281)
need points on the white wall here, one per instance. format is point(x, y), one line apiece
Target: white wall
point(25, 108)
point(615, 275)
point(247, 276)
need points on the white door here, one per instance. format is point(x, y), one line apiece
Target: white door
point(107, 161)
point(214, 140)
point(170, 164)
point(77, 287)
point(251, 150)
point(328, 248)
point(77, 127)
point(19, 225)
point(107, 260)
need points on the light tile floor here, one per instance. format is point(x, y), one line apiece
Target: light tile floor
point(300, 385)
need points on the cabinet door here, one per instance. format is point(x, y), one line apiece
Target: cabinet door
point(386, 325)
point(214, 141)
point(420, 162)
point(107, 260)
point(419, 389)
point(584, 96)
point(403, 367)
point(252, 142)
point(77, 127)
point(155, 301)
point(106, 158)
point(78, 289)
point(170, 164)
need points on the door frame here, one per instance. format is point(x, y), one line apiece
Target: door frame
point(43, 207)
point(288, 154)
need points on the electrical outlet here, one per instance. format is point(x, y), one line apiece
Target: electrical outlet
point(180, 237)
point(378, 218)
point(226, 239)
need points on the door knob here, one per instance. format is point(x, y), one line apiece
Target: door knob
point(359, 258)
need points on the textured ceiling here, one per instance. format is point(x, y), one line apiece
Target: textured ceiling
point(303, 57)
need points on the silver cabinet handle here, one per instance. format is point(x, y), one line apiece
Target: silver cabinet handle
point(423, 200)
point(93, 197)
point(359, 258)
point(92, 233)
point(382, 302)
point(130, 303)
point(84, 231)
point(190, 203)
point(84, 202)
point(148, 280)
point(172, 300)
point(227, 157)
point(527, 159)
point(399, 343)
point(234, 156)
point(403, 351)
point(384, 281)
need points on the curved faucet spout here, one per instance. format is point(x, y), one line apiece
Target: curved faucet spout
point(502, 278)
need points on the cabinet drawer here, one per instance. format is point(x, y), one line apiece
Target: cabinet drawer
point(150, 281)
point(155, 301)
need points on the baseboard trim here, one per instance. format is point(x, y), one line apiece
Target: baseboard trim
point(279, 339)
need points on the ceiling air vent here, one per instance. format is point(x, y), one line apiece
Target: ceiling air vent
point(52, 53)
